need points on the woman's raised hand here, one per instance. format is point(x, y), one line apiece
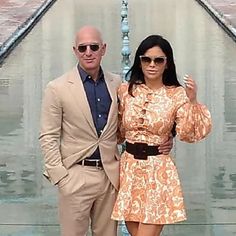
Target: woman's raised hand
point(190, 88)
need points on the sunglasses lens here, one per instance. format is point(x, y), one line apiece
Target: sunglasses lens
point(94, 47)
point(159, 60)
point(146, 60)
point(82, 48)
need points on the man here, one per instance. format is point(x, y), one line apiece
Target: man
point(78, 139)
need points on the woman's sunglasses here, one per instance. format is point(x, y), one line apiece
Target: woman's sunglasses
point(157, 60)
point(94, 47)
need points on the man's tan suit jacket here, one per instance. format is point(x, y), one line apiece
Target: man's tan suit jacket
point(68, 134)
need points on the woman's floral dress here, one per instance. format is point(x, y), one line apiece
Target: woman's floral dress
point(150, 190)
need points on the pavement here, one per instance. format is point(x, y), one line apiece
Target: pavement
point(17, 17)
point(224, 12)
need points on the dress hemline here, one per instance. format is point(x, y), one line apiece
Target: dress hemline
point(148, 222)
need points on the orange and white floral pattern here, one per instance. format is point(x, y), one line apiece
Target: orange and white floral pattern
point(150, 190)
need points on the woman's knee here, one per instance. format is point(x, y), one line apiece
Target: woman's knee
point(149, 230)
point(132, 227)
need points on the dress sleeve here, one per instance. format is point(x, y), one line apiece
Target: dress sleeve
point(122, 91)
point(193, 120)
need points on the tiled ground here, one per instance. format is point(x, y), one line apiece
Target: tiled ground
point(226, 7)
point(14, 13)
point(16, 17)
point(226, 10)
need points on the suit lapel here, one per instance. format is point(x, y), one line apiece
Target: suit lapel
point(112, 91)
point(78, 92)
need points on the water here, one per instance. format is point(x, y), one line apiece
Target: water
point(207, 169)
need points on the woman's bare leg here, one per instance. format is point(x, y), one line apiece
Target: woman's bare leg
point(132, 227)
point(149, 230)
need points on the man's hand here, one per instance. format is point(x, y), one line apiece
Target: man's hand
point(166, 147)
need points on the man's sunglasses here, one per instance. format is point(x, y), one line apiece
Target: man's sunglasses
point(147, 60)
point(94, 47)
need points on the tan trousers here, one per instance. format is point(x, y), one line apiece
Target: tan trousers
point(86, 195)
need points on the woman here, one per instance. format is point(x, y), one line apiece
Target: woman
point(150, 194)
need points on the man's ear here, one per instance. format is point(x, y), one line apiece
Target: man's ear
point(104, 47)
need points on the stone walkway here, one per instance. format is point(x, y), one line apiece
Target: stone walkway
point(224, 12)
point(16, 18)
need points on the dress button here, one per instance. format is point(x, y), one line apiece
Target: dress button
point(141, 120)
point(141, 129)
point(149, 96)
point(143, 112)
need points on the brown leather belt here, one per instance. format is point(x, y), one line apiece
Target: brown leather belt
point(95, 163)
point(141, 150)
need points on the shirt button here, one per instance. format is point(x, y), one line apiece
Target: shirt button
point(99, 115)
point(98, 99)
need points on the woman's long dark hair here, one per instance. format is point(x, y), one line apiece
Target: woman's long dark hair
point(136, 73)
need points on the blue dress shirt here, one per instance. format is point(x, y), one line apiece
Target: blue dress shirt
point(99, 101)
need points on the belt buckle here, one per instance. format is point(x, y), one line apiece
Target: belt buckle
point(97, 165)
point(141, 151)
point(82, 162)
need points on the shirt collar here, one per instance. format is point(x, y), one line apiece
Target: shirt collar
point(84, 75)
